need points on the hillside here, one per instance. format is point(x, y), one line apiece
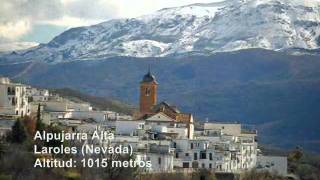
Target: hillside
point(100, 103)
point(276, 92)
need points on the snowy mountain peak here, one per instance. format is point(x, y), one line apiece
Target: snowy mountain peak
point(203, 28)
point(198, 10)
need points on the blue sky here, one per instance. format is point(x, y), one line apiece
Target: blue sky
point(41, 20)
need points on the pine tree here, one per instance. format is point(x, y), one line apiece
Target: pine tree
point(39, 124)
point(30, 125)
point(18, 134)
point(2, 148)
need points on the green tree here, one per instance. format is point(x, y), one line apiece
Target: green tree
point(18, 134)
point(260, 175)
point(2, 149)
point(39, 124)
point(120, 173)
point(296, 154)
point(30, 125)
point(54, 130)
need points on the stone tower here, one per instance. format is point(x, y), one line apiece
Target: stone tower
point(148, 93)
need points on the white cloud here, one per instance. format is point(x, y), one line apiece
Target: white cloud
point(134, 8)
point(12, 30)
point(14, 46)
point(17, 17)
point(68, 21)
point(88, 9)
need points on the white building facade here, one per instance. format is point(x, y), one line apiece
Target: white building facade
point(13, 98)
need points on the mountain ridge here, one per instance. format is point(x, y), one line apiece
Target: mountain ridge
point(206, 28)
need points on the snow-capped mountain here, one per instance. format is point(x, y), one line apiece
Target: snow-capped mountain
point(203, 28)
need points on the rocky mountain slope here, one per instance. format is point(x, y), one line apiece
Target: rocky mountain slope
point(198, 28)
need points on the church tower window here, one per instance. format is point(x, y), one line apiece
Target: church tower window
point(148, 91)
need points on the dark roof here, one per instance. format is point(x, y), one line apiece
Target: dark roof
point(149, 78)
point(166, 105)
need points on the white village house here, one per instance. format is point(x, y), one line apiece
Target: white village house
point(13, 98)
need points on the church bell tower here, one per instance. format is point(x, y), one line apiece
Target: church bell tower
point(148, 93)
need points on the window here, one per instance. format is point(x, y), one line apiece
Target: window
point(233, 156)
point(185, 165)
point(187, 154)
point(177, 155)
point(195, 156)
point(148, 91)
point(174, 145)
point(210, 156)
point(210, 166)
point(159, 160)
point(13, 101)
point(203, 155)
point(203, 165)
point(191, 145)
point(141, 126)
